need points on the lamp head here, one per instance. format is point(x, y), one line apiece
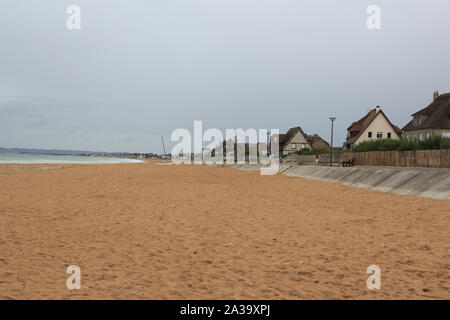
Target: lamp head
point(332, 119)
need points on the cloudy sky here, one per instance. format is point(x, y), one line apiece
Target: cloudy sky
point(138, 69)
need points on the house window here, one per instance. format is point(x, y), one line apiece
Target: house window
point(379, 135)
point(294, 146)
point(303, 145)
point(422, 119)
point(446, 134)
point(369, 134)
point(428, 135)
point(389, 135)
point(420, 136)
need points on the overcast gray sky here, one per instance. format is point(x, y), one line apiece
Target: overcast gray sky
point(139, 69)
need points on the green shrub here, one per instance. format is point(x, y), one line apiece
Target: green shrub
point(304, 152)
point(388, 145)
point(445, 143)
point(406, 145)
point(432, 143)
point(315, 151)
point(322, 150)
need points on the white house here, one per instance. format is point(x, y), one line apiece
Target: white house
point(374, 125)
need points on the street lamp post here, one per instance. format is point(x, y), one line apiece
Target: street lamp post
point(331, 147)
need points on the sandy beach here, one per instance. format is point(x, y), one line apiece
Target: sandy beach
point(146, 231)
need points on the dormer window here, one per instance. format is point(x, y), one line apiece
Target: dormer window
point(419, 119)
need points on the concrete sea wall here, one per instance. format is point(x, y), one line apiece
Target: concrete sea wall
point(424, 183)
point(323, 158)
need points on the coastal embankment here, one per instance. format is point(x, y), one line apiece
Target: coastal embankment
point(430, 183)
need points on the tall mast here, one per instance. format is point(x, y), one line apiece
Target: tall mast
point(164, 148)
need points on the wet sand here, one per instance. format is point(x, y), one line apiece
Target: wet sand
point(144, 231)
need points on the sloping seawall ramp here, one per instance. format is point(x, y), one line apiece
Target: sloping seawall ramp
point(432, 184)
point(425, 183)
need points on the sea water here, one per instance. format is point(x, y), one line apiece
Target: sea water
point(38, 158)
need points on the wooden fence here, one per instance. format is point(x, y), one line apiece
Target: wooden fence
point(418, 158)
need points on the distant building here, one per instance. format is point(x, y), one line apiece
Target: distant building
point(317, 142)
point(294, 140)
point(433, 120)
point(374, 125)
point(276, 137)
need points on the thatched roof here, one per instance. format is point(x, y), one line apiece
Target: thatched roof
point(438, 115)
